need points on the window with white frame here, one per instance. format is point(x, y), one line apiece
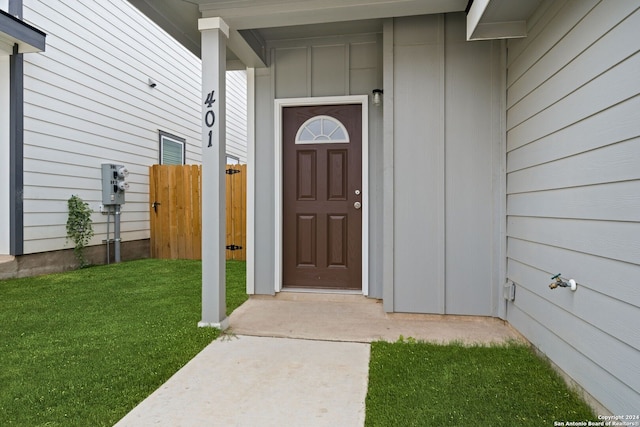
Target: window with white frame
point(172, 149)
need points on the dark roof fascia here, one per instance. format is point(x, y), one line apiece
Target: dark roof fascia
point(21, 31)
point(468, 8)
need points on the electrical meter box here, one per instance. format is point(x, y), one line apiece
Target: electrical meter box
point(114, 184)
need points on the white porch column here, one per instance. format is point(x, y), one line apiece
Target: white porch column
point(214, 33)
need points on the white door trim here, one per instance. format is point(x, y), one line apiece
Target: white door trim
point(279, 104)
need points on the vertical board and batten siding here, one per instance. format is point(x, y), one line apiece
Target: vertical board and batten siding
point(88, 102)
point(446, 111)
point(573, 192)
point(418, 164)
point(474, 149)
point(264, 177)
point(237, 115)
point(331, 66)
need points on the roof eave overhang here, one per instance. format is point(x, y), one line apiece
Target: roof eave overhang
point(487, 19)
point(319, 12)
point(14, 31)
point(245, 42)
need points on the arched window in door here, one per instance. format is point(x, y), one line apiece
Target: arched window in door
point(322, 129)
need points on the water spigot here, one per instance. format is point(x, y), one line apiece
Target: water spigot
point(559, 282)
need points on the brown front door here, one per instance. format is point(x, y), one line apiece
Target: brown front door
point(322, 196)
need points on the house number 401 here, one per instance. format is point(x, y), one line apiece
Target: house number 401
point(210, 116)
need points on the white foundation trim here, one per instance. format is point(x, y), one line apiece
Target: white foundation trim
point(223, 326)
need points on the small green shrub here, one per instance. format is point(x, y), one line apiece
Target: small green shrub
point(79, 227)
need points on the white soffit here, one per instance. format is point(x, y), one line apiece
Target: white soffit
point(499, 19)
point(251, 22)
point(277, 19)
point(251, 14)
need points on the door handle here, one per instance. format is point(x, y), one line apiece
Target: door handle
point(357, 205)
point(155, 205)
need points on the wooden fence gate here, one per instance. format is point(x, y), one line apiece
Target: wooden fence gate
point(176, 217)
point(236, 212)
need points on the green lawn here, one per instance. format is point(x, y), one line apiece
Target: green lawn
point(84, 347)
point(420, 384)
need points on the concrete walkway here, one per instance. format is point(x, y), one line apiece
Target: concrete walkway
point(258, 381)
point(297, 359)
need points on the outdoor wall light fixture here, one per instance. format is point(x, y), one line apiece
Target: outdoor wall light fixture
point(152, 83)
point(377, 97)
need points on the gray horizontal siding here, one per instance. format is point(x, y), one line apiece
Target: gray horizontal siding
point(589, 373)
point(572, 320)
point(573, 192)
point(604, 276)
point(613, 163)
point(87, 101)
point(611, 201)
point(617, 123)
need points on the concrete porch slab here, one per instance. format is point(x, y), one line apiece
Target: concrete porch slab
point(355, 318)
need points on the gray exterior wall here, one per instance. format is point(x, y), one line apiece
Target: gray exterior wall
point(264, 177)
point(446, 147)
point(334, 66)
point(87, 101)
point(441, 120)
point(574, 192)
